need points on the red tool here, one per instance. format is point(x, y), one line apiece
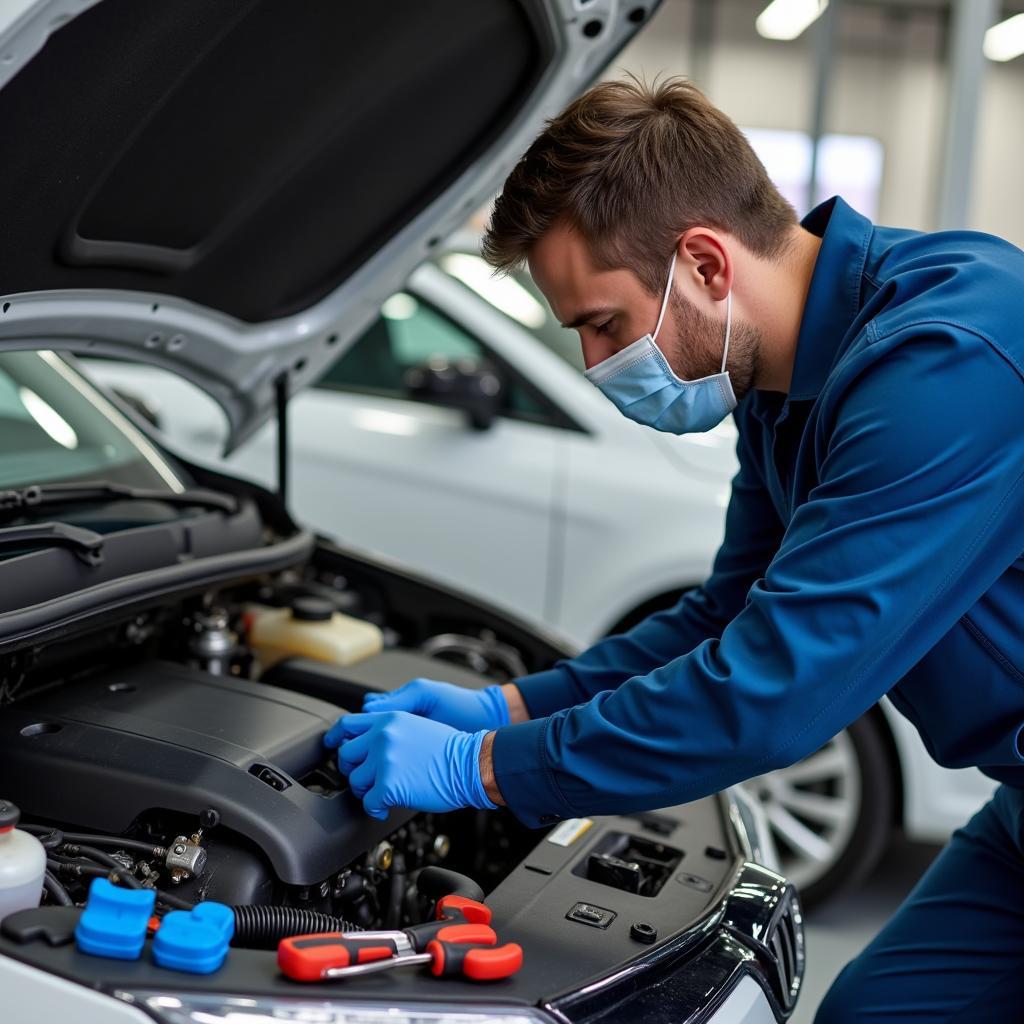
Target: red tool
point(460, 941)
point(451, 911)
point(447, 958)
point(308, 957)
point(314, 957)
point(460, 908)
point(480, 964)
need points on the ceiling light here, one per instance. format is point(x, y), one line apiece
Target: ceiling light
point(505, 293)
point(786, 19)
point(1005, 40)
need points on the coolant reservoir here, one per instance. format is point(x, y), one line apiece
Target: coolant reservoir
point(310, 628)
point(22, 864)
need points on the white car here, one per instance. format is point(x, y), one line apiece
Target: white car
point(459, 436)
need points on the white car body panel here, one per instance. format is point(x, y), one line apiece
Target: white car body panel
point(424, 473)
point(31, 995)
point(936, 800)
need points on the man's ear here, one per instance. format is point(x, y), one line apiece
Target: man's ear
point(701, 253)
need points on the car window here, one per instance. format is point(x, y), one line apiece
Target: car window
point(517, 297)
point(55, 427)
point(408, 333)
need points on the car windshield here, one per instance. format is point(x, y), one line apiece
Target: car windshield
point(54, 426)
point(518, 298)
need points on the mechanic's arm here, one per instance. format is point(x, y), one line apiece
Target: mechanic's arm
point(919, 509)
point(753, 532)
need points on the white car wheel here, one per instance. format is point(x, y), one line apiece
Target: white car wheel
point(830, 814)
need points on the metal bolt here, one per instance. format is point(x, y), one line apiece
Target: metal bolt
point(442, 845)
point(383, 855)
point(325, 888)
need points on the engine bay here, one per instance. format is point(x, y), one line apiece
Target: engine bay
point(163, 750)
point(172, 749)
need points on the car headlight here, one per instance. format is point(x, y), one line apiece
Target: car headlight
point(201, 1008)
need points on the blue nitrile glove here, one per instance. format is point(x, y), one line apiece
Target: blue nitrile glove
point(468, 710)
point(395, 759)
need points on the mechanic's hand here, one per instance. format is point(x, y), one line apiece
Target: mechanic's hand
point(395, 759)
point(468, 710)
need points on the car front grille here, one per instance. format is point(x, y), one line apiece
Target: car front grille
point(785, 944)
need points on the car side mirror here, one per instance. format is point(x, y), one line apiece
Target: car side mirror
point(462, 384)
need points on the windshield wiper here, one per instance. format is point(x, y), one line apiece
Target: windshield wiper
point(86, 544)
point(25, 501)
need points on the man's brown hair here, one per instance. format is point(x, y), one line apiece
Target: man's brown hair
point(631, 167)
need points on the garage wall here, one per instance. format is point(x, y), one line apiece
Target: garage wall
point(889, 82)
point(997, 204)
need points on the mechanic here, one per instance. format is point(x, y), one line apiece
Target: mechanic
point(873, 540)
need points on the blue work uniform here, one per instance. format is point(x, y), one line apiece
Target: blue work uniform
point(873, 546)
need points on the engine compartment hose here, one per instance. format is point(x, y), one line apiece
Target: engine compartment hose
point(263, 927)
point(433, 882)
point(56, 891)
point(51, 837)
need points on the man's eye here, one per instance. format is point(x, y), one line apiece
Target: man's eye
point(603, 328)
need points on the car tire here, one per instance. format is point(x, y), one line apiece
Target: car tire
point(831, 814)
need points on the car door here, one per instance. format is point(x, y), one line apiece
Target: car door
point(377, 467)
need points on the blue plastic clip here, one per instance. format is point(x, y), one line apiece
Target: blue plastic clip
point(195, 940)
point(114, 921)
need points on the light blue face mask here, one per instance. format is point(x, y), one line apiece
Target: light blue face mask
point(642, 386)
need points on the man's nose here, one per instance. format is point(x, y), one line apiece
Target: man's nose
point(596, 350)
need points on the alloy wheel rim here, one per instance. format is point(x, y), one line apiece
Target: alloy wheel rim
point(812, 809)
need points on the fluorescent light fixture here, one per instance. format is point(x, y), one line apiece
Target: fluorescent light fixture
point(48, 418)
point(786, 19)
point(505, 293)
point(1005, 40)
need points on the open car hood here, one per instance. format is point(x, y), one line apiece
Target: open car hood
point(229, 190)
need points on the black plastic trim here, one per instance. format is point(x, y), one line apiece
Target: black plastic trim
point(703, 964)
point(44, 621)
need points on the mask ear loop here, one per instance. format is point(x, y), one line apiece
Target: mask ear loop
point(728, 329)
point(664, 299)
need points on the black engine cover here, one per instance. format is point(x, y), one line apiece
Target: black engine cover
point(99, 753)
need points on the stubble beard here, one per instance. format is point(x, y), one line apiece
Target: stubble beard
point(696, 343)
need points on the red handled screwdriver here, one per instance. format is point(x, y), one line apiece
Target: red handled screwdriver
point(314, 957)
point(308, 957)
point(447, 959)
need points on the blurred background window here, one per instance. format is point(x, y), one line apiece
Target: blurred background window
point(848, 165)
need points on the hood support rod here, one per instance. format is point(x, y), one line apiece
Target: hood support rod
point(281, 396)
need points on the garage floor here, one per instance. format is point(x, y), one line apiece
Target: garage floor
point(839, 930)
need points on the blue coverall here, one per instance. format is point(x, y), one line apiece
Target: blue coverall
point(873, 546)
